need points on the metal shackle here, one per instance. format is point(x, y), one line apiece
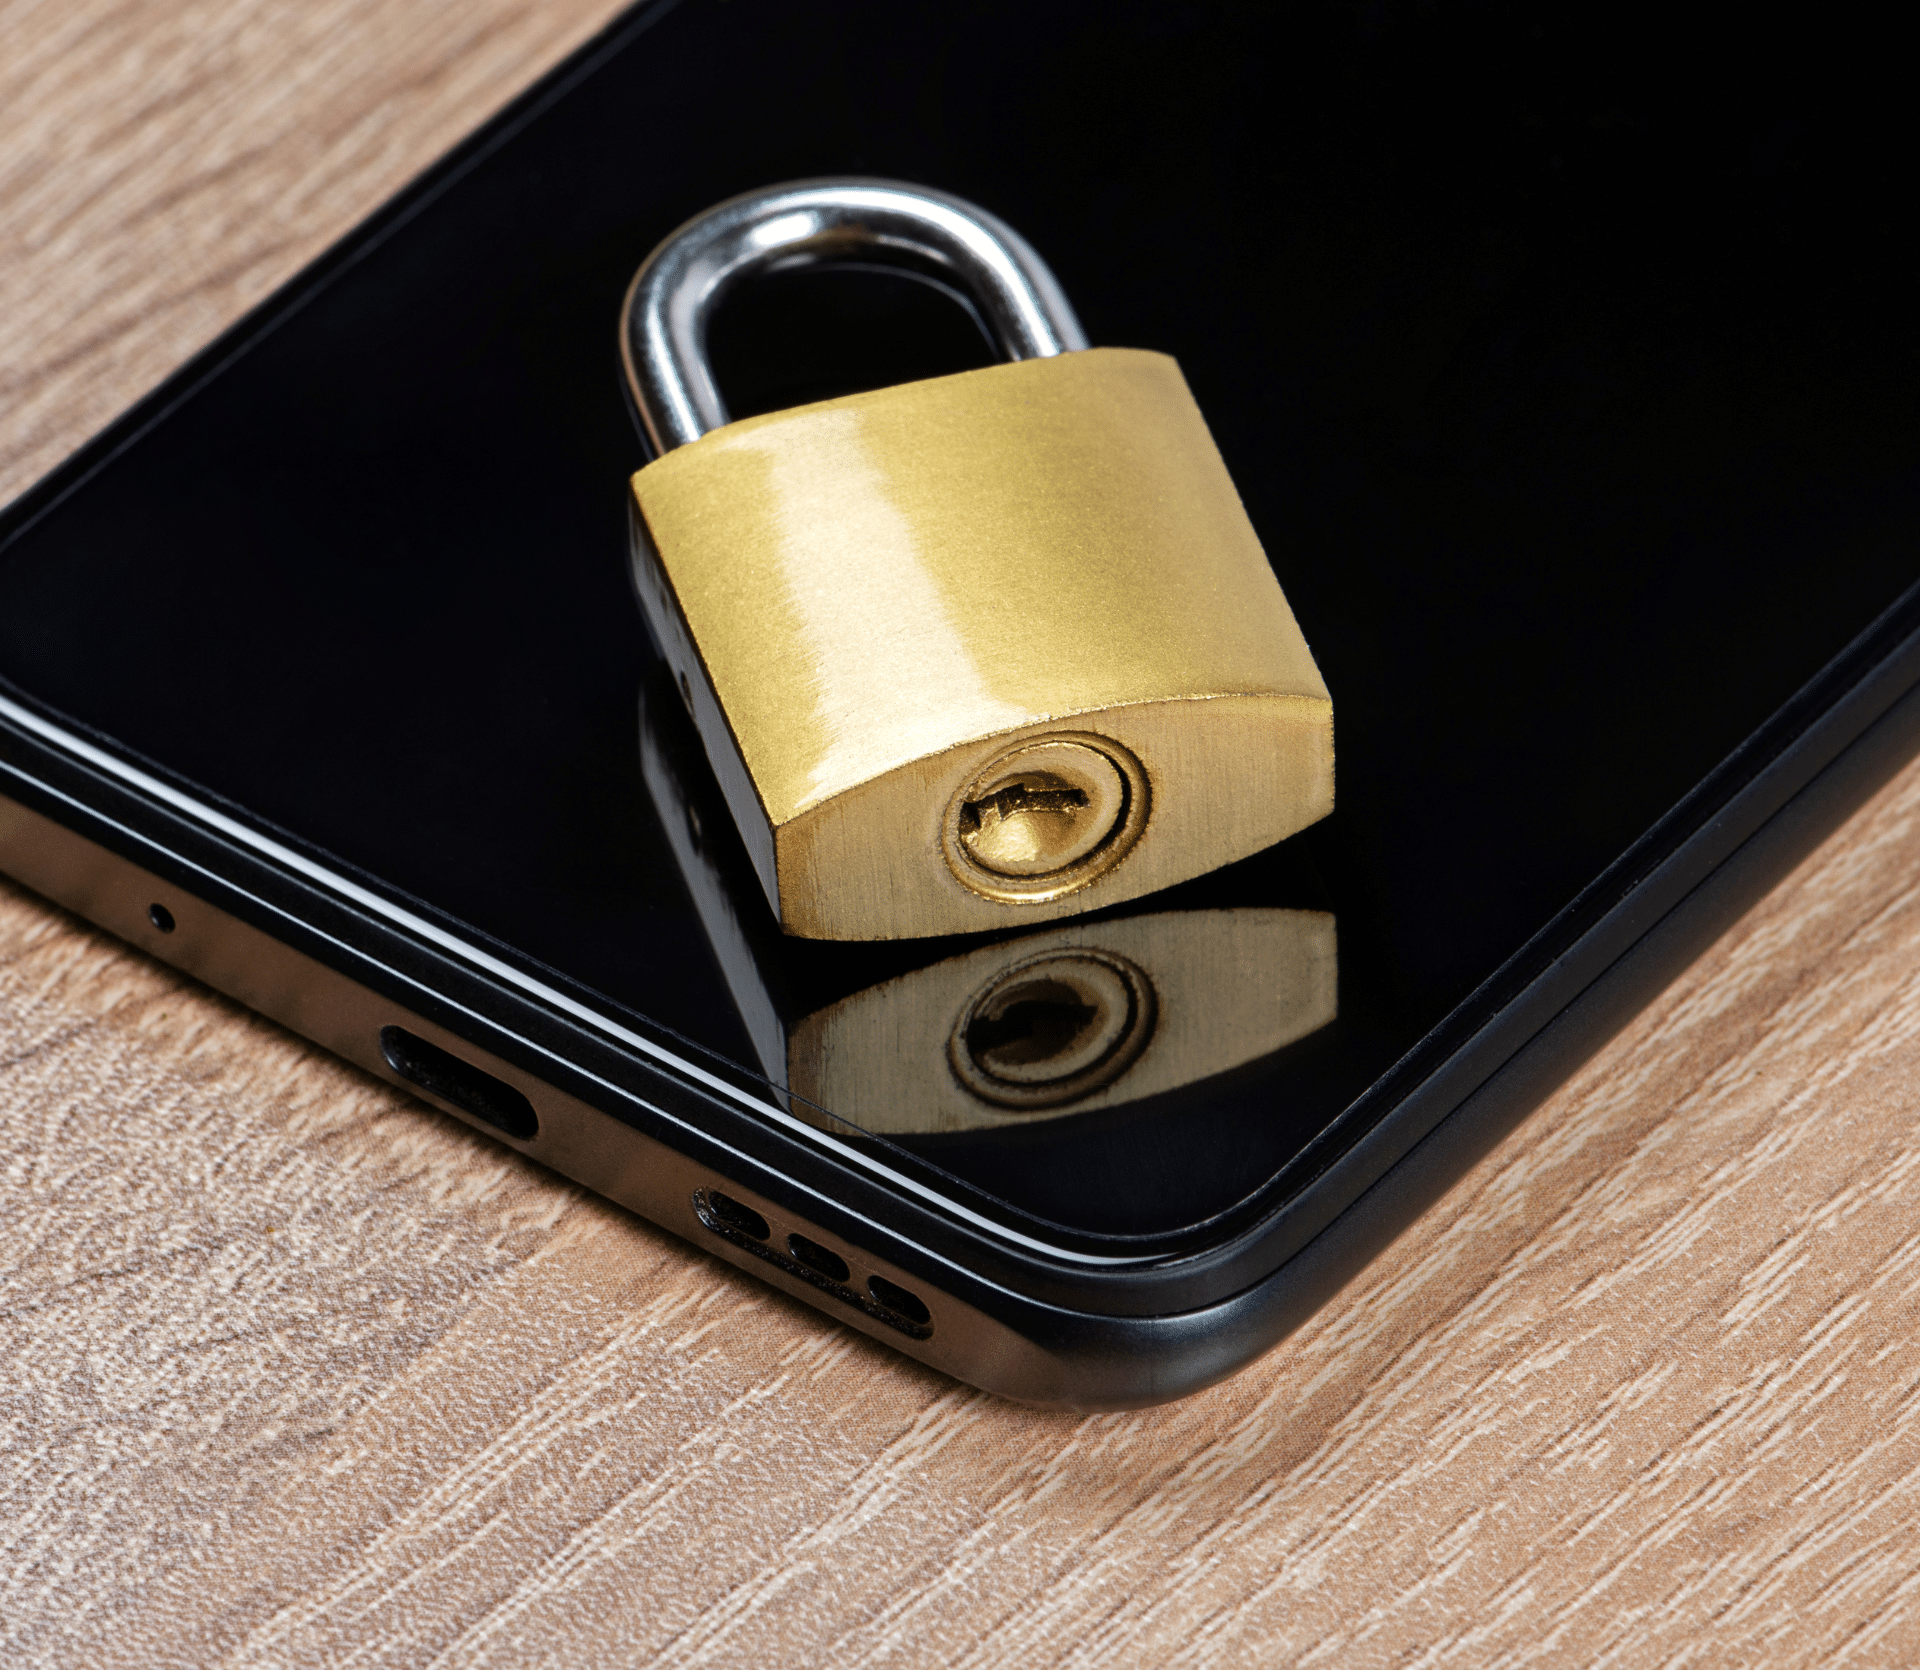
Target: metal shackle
point(663, 338)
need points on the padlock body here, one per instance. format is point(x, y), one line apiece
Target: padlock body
point(984, 649)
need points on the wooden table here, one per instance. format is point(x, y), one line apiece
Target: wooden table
point(299, 1373)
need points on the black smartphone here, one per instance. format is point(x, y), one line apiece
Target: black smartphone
point(1571, 388)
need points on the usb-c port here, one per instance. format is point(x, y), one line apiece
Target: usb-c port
point(441, 1073)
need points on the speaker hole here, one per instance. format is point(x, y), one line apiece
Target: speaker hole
point(898, 1300)
point(737, 1215)
point(823, 1261)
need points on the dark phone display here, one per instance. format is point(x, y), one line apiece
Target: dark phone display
point(1574, 391)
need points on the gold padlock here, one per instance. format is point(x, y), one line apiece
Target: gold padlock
point(969, 652)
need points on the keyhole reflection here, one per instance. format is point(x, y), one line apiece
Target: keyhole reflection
point(1052, 1029)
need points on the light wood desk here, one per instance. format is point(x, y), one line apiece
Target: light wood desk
point(297, 1373)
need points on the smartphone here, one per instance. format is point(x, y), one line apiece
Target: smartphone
point(1578, 422)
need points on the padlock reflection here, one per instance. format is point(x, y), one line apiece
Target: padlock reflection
point(1068, 1020)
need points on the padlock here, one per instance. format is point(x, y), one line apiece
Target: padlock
point(970, 652)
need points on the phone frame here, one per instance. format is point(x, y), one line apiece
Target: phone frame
point(111, 837)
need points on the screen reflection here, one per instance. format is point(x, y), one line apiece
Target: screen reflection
point(952, 1035)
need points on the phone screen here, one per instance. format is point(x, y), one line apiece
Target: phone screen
point(1581, 433)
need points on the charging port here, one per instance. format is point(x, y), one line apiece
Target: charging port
point(441, 1073)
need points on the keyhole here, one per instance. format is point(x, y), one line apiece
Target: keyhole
point(1039, 812)
point(1032, 824)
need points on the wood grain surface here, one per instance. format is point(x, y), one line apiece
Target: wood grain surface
point(299, 1373)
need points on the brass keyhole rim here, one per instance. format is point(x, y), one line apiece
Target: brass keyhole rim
point(1073, 776)
point(1121, 1013)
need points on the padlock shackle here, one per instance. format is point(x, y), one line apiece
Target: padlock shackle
point(663, 337)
